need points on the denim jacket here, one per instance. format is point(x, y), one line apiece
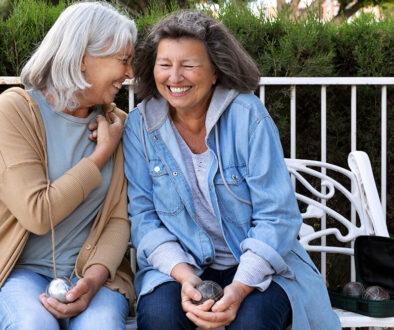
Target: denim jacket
point(250, 191)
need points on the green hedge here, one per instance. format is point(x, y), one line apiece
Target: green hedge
point(282, 47)
point(22, 31)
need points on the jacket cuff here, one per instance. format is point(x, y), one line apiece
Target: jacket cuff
point(151, 241)
point(268, 253)
point(166, 256)
point(254, 271)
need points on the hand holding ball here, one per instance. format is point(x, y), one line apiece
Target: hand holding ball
point(58, 288)
point(208, 290)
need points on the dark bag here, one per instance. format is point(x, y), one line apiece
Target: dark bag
point(374, 259)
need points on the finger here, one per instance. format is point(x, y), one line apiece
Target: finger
point(93, 136)
point(191, 292)
point(48, 307)
point(210, 316)
point(206, 306)
point(77, 291)
point(54, 307)
point(61, 310)
point(203, 323)
point(100, 119)
point(92, 126)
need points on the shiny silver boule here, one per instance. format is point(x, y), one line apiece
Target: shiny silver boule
point(376, 292)
point(353, 289)
point(58, 288)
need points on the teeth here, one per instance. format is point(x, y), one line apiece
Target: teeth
point(117, 85)
point(179, 89)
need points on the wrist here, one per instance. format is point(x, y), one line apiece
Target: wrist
point(184, 272)
point(243, 289)
point(97, 274)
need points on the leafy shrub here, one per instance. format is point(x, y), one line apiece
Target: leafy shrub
point(23, 30)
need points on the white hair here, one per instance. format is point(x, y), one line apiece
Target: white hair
point(82, 27)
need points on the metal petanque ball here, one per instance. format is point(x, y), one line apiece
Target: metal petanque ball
point(208, 290)
point(58, 288)
point(376, 292)
point(353, 289)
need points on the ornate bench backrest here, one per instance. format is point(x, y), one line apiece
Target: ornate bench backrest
point(325, 213)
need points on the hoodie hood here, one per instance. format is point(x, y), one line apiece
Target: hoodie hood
point(155, 110)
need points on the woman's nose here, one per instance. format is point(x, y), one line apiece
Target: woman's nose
point(175, 75)
point(129, 72)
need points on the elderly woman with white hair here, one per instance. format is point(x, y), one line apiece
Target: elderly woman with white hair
point(63, 203)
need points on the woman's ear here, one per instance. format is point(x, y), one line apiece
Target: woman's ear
point(83, 64)
point(215, 77)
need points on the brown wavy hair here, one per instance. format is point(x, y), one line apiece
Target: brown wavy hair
point(234, 66)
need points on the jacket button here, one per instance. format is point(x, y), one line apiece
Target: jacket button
point(157, 169)
point(174, 173)
point(208, 259)
point(155, 137)
point(88, 247)
point(235, 178)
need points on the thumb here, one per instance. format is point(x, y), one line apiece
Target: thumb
point(222, 304)
point(114, 118)
point(100, 119)
point(78, 290)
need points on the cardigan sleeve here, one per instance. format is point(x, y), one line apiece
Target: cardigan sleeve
point(113, 241)
point(112, 226)
point(25, 188)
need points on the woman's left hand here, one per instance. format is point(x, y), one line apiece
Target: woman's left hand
point(224, 311)
point(93, 129)
point(80, 296)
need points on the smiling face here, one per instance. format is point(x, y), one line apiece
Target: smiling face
point(106, 75)
point(184, 74)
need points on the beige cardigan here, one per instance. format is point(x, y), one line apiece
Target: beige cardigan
point(28, 199)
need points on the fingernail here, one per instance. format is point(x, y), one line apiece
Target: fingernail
point(196, 296)
point(50, 301)
point(70, 296)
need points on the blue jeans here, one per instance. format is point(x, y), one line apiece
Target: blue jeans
point(268, 310)
point(21, 308)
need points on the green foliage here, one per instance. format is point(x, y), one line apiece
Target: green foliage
point(155, 11)
point(364, 47)
point(23, 30)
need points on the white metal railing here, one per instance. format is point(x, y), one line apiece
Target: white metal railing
point(323, 82)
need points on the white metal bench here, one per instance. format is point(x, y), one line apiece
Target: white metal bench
point(320, 189)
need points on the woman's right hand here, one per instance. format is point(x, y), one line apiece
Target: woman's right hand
point(185, 275)
point(107, 136)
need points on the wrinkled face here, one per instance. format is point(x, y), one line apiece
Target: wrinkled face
point(184, 74)
point(106, 75)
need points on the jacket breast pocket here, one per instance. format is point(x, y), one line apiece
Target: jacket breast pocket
point(165, 196)
point(232, 209)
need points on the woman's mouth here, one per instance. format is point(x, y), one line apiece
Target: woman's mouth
point(117, 85)
point(179, 91)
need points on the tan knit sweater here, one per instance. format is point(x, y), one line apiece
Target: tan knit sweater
point(28, 199)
